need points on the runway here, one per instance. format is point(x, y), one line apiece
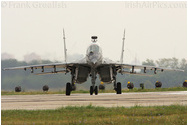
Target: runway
point(53, 101)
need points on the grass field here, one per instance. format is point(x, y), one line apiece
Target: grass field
point(158, 115)
point(105, 91)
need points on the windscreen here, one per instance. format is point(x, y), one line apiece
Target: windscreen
point(93, 49)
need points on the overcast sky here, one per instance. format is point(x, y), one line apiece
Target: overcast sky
point(154, 30)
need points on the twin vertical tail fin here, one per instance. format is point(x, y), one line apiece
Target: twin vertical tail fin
point(65, 50)
point(122, 52)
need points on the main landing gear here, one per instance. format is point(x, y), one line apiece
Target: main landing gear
point(117, 87)
point(95, 90)
point(68, 88)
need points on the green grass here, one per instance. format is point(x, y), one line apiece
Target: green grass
point(105, 91)
point(90, 115)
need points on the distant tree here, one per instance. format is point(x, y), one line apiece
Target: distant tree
point(32, 56)
point(163, 62)
point(174, 63)
point(6, 56)
point(148, 62)
point(46, 61)
point(183, 64)
point(34, 62)
point(168, 62)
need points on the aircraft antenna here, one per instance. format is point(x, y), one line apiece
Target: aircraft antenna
point(65, 50)
point(121, 60)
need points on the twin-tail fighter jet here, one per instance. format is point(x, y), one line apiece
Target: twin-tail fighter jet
point(90, 66)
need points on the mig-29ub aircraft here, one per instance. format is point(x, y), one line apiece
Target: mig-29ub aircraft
point(91, 65)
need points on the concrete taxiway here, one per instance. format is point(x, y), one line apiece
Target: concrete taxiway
point(53, 101)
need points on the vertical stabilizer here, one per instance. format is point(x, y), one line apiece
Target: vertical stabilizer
point(122, 52)
point(65, 50)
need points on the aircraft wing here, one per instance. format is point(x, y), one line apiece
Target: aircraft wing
point(57, 65)
point(120, 67)
point(146, 67)
point(66, 66)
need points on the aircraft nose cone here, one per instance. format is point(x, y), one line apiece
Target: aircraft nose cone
point(94, 61)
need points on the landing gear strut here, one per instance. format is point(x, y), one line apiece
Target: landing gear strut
point(93, 88)
point(73, 83)
point(68, 88)
point(73, 87)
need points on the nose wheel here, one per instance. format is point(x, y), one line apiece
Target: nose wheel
point(95, 90)
point(91, 90)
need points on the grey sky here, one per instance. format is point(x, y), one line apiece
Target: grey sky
point(153, 29)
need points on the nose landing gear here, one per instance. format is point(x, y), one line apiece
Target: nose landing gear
point(95, 90)
point(91, 90)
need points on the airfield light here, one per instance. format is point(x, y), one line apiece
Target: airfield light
point(185, 83)
point(101, 87)
point(158, 84)
point(130, 85)
point(45, 88)
point(142, 85)
point(18, 89)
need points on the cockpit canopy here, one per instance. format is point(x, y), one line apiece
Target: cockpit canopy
point(94, 48)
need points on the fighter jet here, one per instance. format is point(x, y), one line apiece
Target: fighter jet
point(94, 63)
